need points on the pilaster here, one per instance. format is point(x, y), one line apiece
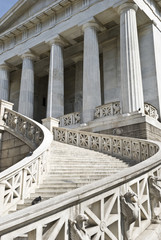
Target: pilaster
point(131, 79)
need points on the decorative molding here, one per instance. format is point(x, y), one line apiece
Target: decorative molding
point(155, 196)
point(42, 16)
point(130, 212)
point(77, 228)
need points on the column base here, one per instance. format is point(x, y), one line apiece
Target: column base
point(88, 115)
point(50, 122)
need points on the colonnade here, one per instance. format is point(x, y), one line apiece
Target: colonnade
point(131, 79)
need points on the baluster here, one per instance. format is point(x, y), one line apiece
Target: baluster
point(24, 177)
point(89, 141)
point(100, 143)
point(38, 180)
point(66, 135)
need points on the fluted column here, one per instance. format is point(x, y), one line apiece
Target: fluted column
point(131, 79)
point(55, 103)
point(78, 83)
point(91, 71)
point(4, 82)
point(26, 98)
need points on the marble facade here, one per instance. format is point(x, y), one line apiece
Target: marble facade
point(62, 56)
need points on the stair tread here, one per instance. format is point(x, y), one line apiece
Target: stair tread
point(71, 167)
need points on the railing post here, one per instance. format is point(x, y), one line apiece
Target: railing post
point(39, 171)
point(4, 104)
point(50, 122)
point(2, 191)
point(24, 177)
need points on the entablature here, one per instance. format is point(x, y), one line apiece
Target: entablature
point(67, 13)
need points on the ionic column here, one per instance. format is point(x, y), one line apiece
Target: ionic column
point(26, 98)
point(91, 71)
point(131, 79)
point(78, 83)
point(4, 82)
point(55, 102)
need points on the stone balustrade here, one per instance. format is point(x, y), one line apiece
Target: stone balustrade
point(122, 147)
point(24, 128)
point(114, 108)
point(102, 203)
point(109, 109)
point(150, 110)
point(19, 180)
point(69, 119)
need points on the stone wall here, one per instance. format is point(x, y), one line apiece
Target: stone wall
point(140, 130)
point(15, 88)
point(111, 74)
point(40, 97)
point(12, 150)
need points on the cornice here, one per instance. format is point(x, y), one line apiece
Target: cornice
point(16, 10)
point(40, 16)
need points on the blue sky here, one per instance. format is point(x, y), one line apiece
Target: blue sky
point(5, 5)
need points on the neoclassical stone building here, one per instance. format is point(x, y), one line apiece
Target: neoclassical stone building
point(91, 71)
point(66, 56)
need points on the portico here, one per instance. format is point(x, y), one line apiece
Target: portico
point(76, 57)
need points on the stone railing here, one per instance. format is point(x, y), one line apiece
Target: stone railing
point(114, 108)
point(117, 207)
point(122, 147)
point(18, 181)
point(109, 109)
point(150, 110)
point(69, 119)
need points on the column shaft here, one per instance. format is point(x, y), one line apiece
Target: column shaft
point(4, 82)
point(91, 72)
point(55, 105)
point(26, 98)
point(131, 79)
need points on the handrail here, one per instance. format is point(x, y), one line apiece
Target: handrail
point(19, 180)
point(108, 190)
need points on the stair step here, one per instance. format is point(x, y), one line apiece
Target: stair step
point(71, 167)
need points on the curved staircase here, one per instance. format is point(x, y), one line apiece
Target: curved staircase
point(71, 167)
point(54, 172)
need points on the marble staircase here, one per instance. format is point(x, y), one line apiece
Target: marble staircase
point(71, 167)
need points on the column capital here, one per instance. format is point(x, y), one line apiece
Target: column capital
point(91, 24)
point(29, 55)
point(58, 40)
point(127, 6)
point(77, 58)
point(5, 66)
